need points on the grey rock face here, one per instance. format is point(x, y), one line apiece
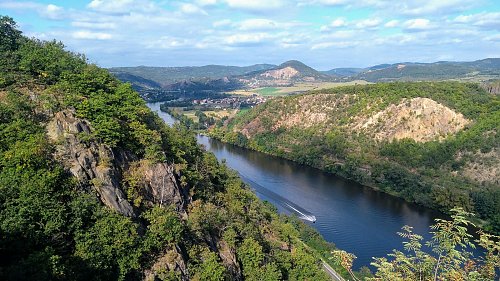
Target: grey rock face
point(171, 261)
point(162, 187)
point(94, 165)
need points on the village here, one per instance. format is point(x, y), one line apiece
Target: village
point(230, 102)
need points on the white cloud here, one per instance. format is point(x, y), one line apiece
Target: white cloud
point(191, 9)
point(167, 42)
point(426, 7)
point(206, 2)
point(338, 22)
point(121, 6)
point(368, 23)
point(52, 11)
point(486, 20)
point(246, 39)
point(338, 44)
point(221, 23)
point(256, 5)
point(494, 38)
point(417, 24)
point(86, 34)
point(49, 11)
point(392, 23)
point(327, 2)
point(16, 5)
point(257, 24)
point(403, 7)
point(94, 25)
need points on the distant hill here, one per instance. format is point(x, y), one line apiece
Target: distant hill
point(444, 70)
point(286, 74)
point(343, 72)
point(138, 83)
point(203, 88)
point(162, 83)
point(169, 75)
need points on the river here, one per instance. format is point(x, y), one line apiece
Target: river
point(356, 218)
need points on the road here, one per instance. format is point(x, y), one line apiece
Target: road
point(335, 276)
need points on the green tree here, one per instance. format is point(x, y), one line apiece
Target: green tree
point(449, 258)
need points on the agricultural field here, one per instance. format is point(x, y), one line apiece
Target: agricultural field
point(295, 89)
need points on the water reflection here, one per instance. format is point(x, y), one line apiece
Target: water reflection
point(355, 217)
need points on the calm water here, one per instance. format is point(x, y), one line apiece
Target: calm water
point(354, 217)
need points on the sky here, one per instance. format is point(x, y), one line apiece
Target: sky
point(324, 34)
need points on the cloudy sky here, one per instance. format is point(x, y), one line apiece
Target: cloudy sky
point(321, 33)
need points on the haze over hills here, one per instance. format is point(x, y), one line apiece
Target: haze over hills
point(156, 82)
point(170, 75)
point(411, 71)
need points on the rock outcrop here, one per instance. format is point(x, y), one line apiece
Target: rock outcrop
point(170, 264)
point(420, 119)
point(102, 169)
point(158, 184)
point(95, 165)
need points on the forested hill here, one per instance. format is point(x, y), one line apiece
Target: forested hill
point(481, 69)
point(94, 186)
point(436, 144)
point(170, 75)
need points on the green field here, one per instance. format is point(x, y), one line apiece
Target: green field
point(269, 91)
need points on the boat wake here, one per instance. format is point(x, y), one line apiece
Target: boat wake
point(285, 203)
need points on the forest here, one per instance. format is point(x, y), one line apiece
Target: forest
point(54, 226)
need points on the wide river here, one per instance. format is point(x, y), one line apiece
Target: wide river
point(354, 217)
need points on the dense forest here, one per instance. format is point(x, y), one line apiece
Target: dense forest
point(61, 223)
point(338, 131)
point(95, 186)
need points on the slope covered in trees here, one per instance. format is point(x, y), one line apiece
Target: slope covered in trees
point(94, 186)
point(435, 144)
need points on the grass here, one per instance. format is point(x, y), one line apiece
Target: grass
point(295, 89)
point(219, 114)
point(269, 91)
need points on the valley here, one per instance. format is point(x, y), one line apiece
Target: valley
point(262, 172)
point(418, 141)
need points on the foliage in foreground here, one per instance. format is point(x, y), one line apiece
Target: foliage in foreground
point(52, 229)
point(446, 256)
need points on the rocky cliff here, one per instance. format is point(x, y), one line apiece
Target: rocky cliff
point(99, 168)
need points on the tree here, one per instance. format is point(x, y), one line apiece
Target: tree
point(9, 34)
point(448, 259)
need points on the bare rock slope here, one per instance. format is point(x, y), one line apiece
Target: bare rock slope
point(420, 119)
point(100, 168)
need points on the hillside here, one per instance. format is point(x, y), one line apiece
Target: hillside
point(285, 74)
point(435, 144)
point(95, 186)
point(170, 75)
point(343, 72)
point(430, 71)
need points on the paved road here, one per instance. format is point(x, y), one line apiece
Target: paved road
point(326, 267)
point(335, 276)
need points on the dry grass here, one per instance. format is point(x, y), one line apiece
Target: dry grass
point(298, 88)
point(219, 114)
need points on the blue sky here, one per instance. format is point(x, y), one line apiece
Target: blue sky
point(322, 33)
